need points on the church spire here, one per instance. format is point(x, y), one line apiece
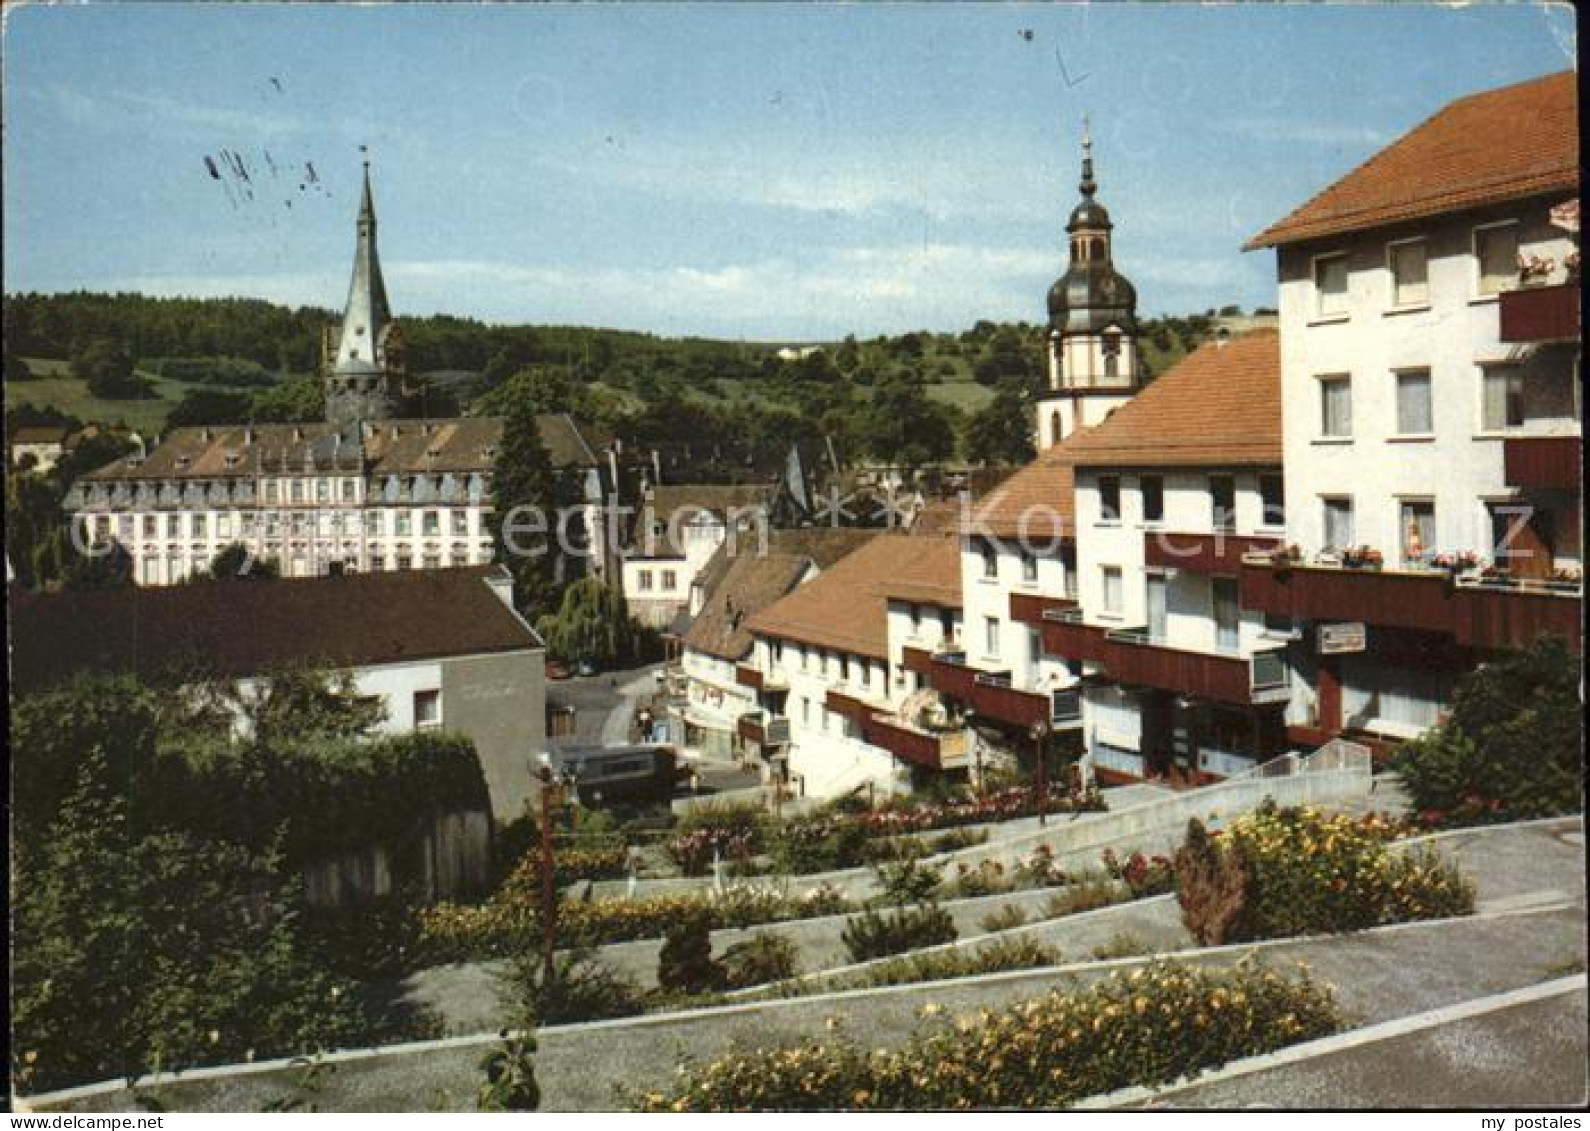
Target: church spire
point(361, 345)
point(1088, 186)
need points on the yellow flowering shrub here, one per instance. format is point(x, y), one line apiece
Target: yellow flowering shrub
point(1153, 1025)
point(1279, 872)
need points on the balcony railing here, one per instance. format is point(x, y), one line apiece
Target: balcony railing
point(1065, 635)
point(1224, 674)
point(1474, 612)
point(1542, 462)
point(747, 676)
point(1539, 314)
point(762, 729)
point(1029, 608)
point(1202, 553)
point(923, 748)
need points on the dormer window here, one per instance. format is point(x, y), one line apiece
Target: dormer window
point(488, 453)
point(184, 461)
point(232, 459)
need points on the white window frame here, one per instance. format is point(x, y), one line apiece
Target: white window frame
point(991, 636)
point(1514, 369)
point(1142, 499)
point(1322, 380)
point(1352, 522)
point(1106, 609)
point(1403, 501)
point(1318, 312)
point(430, 695)
point(1392, 248)
point(1397, 377)
point(1477, 278)
point(1106, 518)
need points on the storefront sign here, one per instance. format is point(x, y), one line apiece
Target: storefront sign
point(1338, 638)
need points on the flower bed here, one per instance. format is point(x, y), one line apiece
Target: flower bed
point(1151, 1026)
point(509, 922)
point(1143, 875)
point(1279, 872)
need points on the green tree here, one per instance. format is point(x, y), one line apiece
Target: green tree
point(849, 355)
point(298, 702)
point(1000, 433)
point(904, 426)
point(104, 565)
point(235, 562)
point(523, 519)
point(134, 953)
point(210, 406)
point(298, 399)
point(107, 367)
point(592, 625)
point(1511, 749)
point(1007, 356)
point(541, 387)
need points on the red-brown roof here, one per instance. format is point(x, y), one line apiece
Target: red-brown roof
point(846, 606)
point(233, 629)
point(1219, 407)
point(1035, 503)
point(1508, 144)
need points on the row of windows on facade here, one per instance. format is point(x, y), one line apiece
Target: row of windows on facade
point(1222, 495)
point(303, 564)
point(1416, 523)
point(1224, 609)
point(668, 580)
point(374, 524)
point(1495, 256)
point(297, 490)
point(1503, 403)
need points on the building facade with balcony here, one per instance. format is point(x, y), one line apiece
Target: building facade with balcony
point(1178, 680)
point(829, 667)
point(728, 702)
point(1430, 382)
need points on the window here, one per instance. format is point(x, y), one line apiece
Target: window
point(1416, 529)
point(377, 563)
point(844, 669)
point(1112, 589)
point(1223, 597)
point(1054, 427)
point(946, 625)
point(1330, 285)
point(427, 708)
point(298, 490)
point(1336, 405)
point(1502, 398)
point(806, 707)
point(1153, 490)
point(272, 491)
point(151, 526)
point(1338, 524)
point(433, 559)
point(1109, 498)
point(347, 490)
point(1496, 257)
point(1223, 502)
point(990, 560)
point(1029, 566)
point(405, 559)
point(372, 524)
point(669, 580)
point(223, 526)
point(173, 526)
point(1413, 403)
point(405, 524)
point(433, 524)
point(322, 491)
point(991, 636)
point(1272, 500)
point(866, 674)
point(1112, 357)
point(200, 526)
point(643, 578)
point(460, 524)
point(1410, 277)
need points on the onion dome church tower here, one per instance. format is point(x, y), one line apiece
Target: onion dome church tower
point(1093, 362)
point(362, 359)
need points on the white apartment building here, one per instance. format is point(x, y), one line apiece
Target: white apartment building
point(678, 530)
point(840, 709)
point(1430, 382)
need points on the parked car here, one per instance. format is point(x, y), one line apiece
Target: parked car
point(585, 667)
point(557, 669)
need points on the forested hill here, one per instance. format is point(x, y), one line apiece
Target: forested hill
point(920, 397)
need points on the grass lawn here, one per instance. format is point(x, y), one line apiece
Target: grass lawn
point(968, 396)
point(59, 390)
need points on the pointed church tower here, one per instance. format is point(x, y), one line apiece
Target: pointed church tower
point(362, 358)
point(1093, 363)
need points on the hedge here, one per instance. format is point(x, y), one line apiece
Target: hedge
point(1151, 1026)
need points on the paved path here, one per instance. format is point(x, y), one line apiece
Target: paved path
point(1531, 877)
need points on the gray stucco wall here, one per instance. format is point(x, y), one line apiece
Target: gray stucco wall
point(500, 702)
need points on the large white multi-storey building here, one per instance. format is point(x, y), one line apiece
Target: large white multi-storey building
point(359, 491)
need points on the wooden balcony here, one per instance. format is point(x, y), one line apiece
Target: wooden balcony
point(1219, 553)
point(994, 698)
point(1134, 657)
point(850, 707)
point(1475, 615)
point(950, 675)
point(1542, 462)
point(1539, 314)
point(1029, 608)
point(747, 676)
point(921, 748)
point(762, 729)
point(918, 660)
point(1065, 635)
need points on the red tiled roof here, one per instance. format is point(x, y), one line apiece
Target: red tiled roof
point(1035, 503)
point(232, 629)
point(1218, 407)
point(846, 606)
point(1500, 145)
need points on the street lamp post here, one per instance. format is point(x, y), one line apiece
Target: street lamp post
point(552, 785)
point(1040, 731)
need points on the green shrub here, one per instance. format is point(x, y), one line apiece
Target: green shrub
point(1087, 893)
point(1511, 749)
point(908, 881)
point(1122, 944)
point(1280, 872)
point(764, 957)
point(955, 839)
point(819, 843)
point(510, 1077)
point(1150, 1026)
point(686, 964)
point(961, 962)
point(1003, 918)
point(874, 934)
point(987, 877)
point(582, 988)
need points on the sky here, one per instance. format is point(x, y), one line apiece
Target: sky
point(764, 172)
